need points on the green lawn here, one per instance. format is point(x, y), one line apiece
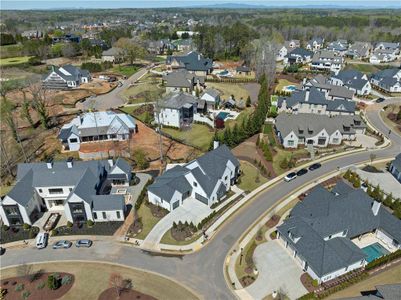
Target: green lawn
point(125, 70)
point(10, 50)
point(268, 129)
point(228, 89)
point(148, 221)
point(282, 83)
point(364, 68)
point(14, 61)
point(168, 239)
point(131, 111)
point(4, 189)
point(199, 135)
point(242, 116)
point(136, 93)
point(281, 154)
point(251, 177)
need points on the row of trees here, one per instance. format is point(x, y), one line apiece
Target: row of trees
point(249, 126)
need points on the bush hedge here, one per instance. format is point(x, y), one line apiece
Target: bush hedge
point(383, 260)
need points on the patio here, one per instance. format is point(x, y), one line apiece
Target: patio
point(369, 239)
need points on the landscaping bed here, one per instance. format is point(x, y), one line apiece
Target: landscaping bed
point(99, 228)
point(13, 234)
point(182, 231)
point(111, 294)
point(36, 286)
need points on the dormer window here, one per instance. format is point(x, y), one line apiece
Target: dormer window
point(195, 184)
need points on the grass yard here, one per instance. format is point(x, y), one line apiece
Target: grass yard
point(228, 89)
point(4, 189)
point(245, 114)
point(125, 70)
point(364, 68)
point(281, 154)
point(97, 275)
point(10, 50)
point(390, 276)
point(168, 239)
point(136, 93)
point(14, 61)
point(251, 177)
point(148, 221)
point(282, 83)
point(199, 135)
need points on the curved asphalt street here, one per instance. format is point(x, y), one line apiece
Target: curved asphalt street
point(202, 271)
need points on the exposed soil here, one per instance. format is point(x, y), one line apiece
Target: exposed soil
point(249, 152)
point(36, 293)
point(157, 211)
point(247, 280)
point(182, 232)
point(111, 294)
point(307, 282)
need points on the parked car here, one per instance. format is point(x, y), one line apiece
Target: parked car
point(314, 166)
point(380, 100)
point(41, 240)
point(83, 243)
point(63, 244)
point(290, 176)
point(302, 172)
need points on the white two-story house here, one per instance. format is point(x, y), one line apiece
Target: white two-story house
point(66, 77)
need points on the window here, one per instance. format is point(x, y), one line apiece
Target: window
point(113, 136)
point(195, 184)
point(95, 216)
point(225, 178)
point(118, 214)
point(335, 141)
point(290, 143)
point(40, 191)
point(104, 215)
point(55, 191)
point(70, 189)
point(74, 140)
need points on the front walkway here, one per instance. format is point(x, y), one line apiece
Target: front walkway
point(278, 271)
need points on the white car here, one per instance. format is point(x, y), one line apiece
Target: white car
point(41, 240)
point(290, 176)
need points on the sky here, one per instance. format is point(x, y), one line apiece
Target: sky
point(93, 4)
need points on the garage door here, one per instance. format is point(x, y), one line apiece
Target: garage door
point(176, 204)
point(201, 198)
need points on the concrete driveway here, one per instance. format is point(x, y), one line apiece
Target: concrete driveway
point(112, 99)
point(191, 211)
point(277, 271)
point(363, 140)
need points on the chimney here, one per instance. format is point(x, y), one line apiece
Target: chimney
point(307, 95)
point(375, 207)
point(49, 164)
point(216, 144)
point(304, 81)
point(69, 162)
point(198, 56)
point(111, 163)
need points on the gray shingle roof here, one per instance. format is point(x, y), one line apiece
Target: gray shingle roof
point(108, 202)
point(193, 61)
point(179, 79)
point(396, 163)
point(177, 100)
point(323, 213)
point(383, 292)
point(210, 170)
point(300, 52)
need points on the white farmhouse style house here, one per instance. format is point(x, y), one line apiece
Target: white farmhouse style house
point(353, 80)
point(206, 179)
point(66, 77)
point(327, 60)
point(294, 130)
point(96, 126)
point(78, 189)
point(388, 80)
point(321, 230)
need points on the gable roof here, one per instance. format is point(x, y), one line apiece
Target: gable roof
point(177, 100)
point(300, 52)
point(322, 214)
point(193, 61)
point(180, 79)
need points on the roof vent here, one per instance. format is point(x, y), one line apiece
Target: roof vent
point(49, 164)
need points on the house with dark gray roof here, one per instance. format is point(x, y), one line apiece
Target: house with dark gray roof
point(353, 80)
point(382, 292)
point(94, 127)
point(339, 47)
point(78, 189)
point(65, 77)
point(211, 98)
point(193, 62)
point(315, 44)
point(359, 50)
point(327, 60)
point(294, 130)
point(114, 55)
point(313, 101)
point(395, 167)
point(388, 80)
point(206, 179)
point(331, 92)
point(177, 109)
point(321, 230)
point(298, 56)
point(182, 80)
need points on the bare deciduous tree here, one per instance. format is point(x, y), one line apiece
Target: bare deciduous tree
point(119, 284)
point(264, 60)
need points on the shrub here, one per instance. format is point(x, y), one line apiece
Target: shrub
point(6, 227)
point(26, 294)
point(53, 282)
point(69, 224)
point(89, 223)
point(54, 232)
point(383, 260)
point(67, 279)
point(41, 285)
point(19, 287)
point(308, 296)
point(26, 226)
point(315, 283)
point(284, 164)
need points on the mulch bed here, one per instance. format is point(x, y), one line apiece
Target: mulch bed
point(247, 280)
point(17, 234)
point(307, 282)
point(99, 228)
point(110, 294)
point(182, 232)
point(157, 211)
point(32, 287)
point(273, 221)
